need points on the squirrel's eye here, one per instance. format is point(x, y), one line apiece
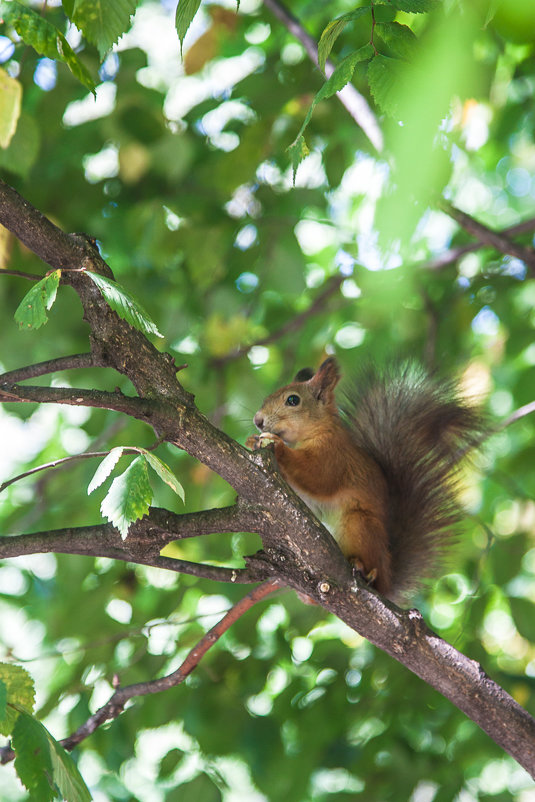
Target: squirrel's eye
point(292, 401)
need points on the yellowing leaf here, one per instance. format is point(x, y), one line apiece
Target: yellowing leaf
point(10, 102)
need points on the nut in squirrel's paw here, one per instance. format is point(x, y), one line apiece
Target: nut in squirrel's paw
point(257, 441)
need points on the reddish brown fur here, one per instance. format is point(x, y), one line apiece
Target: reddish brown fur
point(384, 472)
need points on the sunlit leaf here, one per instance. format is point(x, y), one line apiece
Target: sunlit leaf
point(125, 305)
point(400, 40)
point(338, 79)
point(105, 468)
point(129, 496)
point(31, 312)
point(19, 690)
point(36, 31)
point(3, 700)
point(333, 30)
point(103, 22)
point(415, 6)
point(165, 473)
point(10, 102)
point(298, 151)
point(383, 77)
point(185, 12)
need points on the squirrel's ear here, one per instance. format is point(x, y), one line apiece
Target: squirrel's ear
point(303, 375)
point(325, 379)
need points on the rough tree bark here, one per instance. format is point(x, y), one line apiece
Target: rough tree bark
point(298, 551)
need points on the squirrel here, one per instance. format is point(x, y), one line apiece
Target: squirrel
point(380, 471)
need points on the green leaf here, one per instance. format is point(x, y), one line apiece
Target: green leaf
point(68, 7)
point(124, 304)
point(31, 312)
point(20, 690)
point(383, 77)
point(333, 31)
point(103, 22)
point(298, 151)
point(10, 103)
point(3, 700)
point(400, 40)
point(185, 12)
point(43, 766)
point(129, 496)
point(45, 38)
point(164, 472)
point(414, 6)
point(338, 79)
point(523, 616)
point(33, 762)
point(105, 468)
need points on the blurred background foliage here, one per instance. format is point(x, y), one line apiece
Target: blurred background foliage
point(181, 171)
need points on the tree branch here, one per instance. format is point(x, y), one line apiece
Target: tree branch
point(490, 238)
point(50, 366)
point(131, 405)
point(115, 705)
point(299, 552)
point(331, 286)
point(353, 101)
point(454, 254)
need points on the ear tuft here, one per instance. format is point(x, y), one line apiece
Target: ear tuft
point(325, 379)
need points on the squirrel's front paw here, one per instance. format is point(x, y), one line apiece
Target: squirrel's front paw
point(257, 441)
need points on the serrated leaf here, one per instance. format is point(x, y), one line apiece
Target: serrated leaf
point(298, 151)
point(10, 103)
point(33, 762)
point(129, 496)
point(383, 78)
point(31, 312)
point(165, 473)
point(102, 22)
point(20, 690)
point(125, 305)
point(43, 766)
point(105, 468)
point(45, 38)
point(66, 775)
point(400, 40)
point(333, 30)
point(415, 6)
point(3, 700)
point(337, 80)
point(185, 12)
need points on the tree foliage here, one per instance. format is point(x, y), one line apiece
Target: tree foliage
point(257, 212)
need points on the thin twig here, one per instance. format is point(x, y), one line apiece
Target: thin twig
point(20, 274)
point(454, 254)
point(63, 460)
point(353, 101)
point(489, 237)
point(49, 366)
point(331, 286)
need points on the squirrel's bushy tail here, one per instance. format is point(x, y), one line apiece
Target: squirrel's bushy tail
point(416, 428)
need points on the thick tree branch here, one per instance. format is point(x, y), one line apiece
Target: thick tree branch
point(115, 705)
point(353, 101)
point(490, 238)
point(131, 405)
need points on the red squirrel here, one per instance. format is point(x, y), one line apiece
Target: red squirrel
point(380, 472)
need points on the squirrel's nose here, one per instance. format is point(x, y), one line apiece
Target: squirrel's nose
point(258, 420)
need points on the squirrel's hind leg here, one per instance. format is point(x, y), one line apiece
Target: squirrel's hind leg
point(363, 540)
